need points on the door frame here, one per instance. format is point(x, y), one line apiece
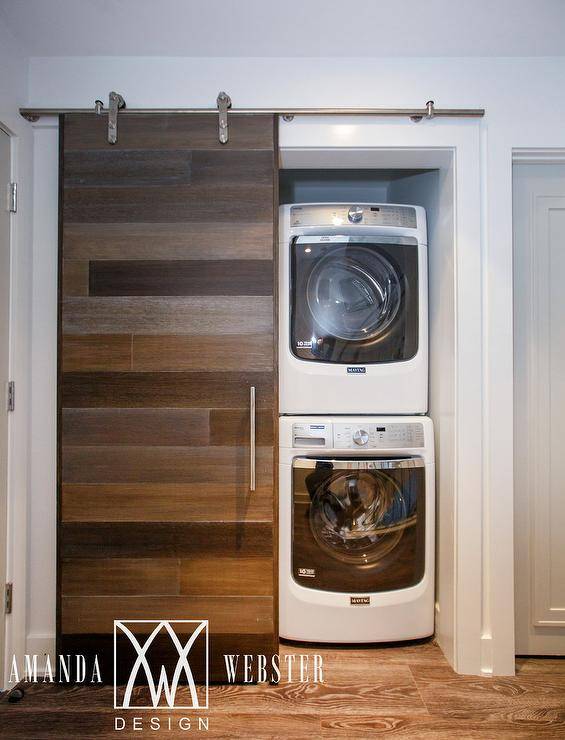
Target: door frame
point(531, 156)
point(473, 630)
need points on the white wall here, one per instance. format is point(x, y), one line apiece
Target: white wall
point(13, 94)
point(525, 108)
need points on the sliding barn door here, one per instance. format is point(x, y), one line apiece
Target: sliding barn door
point(166, 324)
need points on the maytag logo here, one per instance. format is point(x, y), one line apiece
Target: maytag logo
point(360, 600)
point(163, 685)
point(356, 370)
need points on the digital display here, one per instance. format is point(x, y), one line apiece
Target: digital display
point(375, 209)
point(381, 429)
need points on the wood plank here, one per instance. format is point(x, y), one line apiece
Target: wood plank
point(165, 539)
point(198, 352)
point(96, 352)
point(168, 241)
point(146, 427)
point(225, 576)
point(153, 131)
point(130, 464)
point(96, 614)
point(170, 502)
point(180, 277)
point(208, 315)
point(130, 168)
point(186, 203)
point(122, 576)
point(231, 427)
point(166, 390)
point(75, 277)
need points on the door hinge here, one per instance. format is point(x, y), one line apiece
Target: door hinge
point(11, 400)
point(13, 197)
point(8, 598)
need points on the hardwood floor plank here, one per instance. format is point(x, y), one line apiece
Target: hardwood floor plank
point(165, 539)
point(96, 614)
point(168, 241)
point(227, 576)
point(96, 352)
point(169, 132)
point(181, 277)
point(208, 315)
point(172, 502)
point(123, 576)
point(183, 389)
point(144, 427)
point(198, 352)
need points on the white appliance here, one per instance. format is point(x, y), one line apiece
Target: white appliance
point(353, 303)
point(356, 559)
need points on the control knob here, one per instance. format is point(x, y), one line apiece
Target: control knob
point(355, 214)
point(360, 437)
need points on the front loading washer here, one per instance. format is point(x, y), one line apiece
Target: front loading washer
point(356, 518)
point(353, 303)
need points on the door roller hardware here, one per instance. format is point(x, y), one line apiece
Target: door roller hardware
point(223, 102)
point(115, 103)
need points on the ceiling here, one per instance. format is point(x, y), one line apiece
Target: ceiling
point(287, 28)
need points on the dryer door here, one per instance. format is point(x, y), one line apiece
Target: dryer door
point(355, 300)
point(358, 524)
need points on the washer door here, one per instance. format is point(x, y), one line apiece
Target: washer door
point(358, 525)
point(354, 293)
point(354, 301)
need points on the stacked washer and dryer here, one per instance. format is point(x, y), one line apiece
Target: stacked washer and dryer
point(356, 450)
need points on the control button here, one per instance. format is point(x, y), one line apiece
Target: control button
point(360, 437)
point(355, 214)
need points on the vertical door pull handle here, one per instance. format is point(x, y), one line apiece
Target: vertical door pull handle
point(252, 438)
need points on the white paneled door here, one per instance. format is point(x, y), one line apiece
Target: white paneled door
point(4, 366)
point(539, 357)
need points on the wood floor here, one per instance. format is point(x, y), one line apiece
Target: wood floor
point(397, 692)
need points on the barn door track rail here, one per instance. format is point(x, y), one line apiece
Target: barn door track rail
point(117, 105)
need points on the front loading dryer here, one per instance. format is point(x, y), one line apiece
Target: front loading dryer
point(356, 518)
point(353, 309)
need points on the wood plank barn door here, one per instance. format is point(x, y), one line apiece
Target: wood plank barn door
point(166, 322)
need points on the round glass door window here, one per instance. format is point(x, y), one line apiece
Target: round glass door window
point(354, 293)
point(358, 517)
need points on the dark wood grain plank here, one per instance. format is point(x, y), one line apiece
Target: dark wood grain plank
point(166, 241)
point(180, 277)
point(165, 539)
point(186, 203)
point(96, 352)
point(123, 576)
point(166, 390)
point(208, 315)
point(130, 168)
point(148, 427)
point(198, 352)
point(122, 464)
point(231, 427)
point(166, 502)
point(162, 132)
point(75, 277)
point(226, 576)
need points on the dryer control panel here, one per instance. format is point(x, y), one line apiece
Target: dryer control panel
point(358, 435)
point(381, 436)
point(364, 215)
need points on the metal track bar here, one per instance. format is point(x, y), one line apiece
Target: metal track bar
point(33, 114)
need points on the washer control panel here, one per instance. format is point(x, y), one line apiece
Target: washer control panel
point(363, 215)
point(358, 435)
point(377, 436)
